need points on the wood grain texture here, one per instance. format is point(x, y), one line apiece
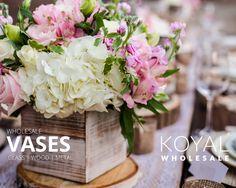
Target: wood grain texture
point(95, 140)
point(123, 176)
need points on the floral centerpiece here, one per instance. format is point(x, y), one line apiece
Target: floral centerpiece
point(77, 56)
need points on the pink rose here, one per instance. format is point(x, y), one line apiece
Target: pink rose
point(46, 14)
point(66, 30)
point(71, 9)
point(9, 93)
point(43, 34)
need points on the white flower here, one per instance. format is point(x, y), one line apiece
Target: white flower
point(28, 56)
point(6, 50)
point(72, 82)
point(112, 26)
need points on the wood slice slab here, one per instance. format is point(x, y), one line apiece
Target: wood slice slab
point(2, 138)
point(163, 119)
point(125, 175)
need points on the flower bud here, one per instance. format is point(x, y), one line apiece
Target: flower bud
point(153, 39)
point(12, 32)
point(88, 6)
point(26, 3)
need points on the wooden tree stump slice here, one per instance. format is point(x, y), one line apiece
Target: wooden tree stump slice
point(125, 175)
point(163, 119)
point(2, 138)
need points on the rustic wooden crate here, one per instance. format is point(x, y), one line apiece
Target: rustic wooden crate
point(96, 143)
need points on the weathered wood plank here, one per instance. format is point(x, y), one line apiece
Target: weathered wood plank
point(95, 140)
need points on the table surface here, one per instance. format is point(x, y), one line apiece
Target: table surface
point(163, 174)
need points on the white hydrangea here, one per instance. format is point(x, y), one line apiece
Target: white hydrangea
point(72, 82)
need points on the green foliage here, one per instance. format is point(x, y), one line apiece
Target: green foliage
point(93, 28)
point(56, 49)
point(175, 46)
point(162, 97)
point(127, 123)
point(12, 64)
point(108, 64)
point(24, 13)
point(36, 45)
point(170, 72)
point(98, 41)
point(85, 26)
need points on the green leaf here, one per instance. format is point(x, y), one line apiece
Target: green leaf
point(117, 43)
point(169, 73)
point(23, 13)
point(112, 35)
point(125, 90)
point(2, 37)
point(36, 45)
point(127, 125)
point(148, 107)
point(162, 97)
point(98, 22)
point(11, 64)
point(8, 62)
point(98, 41)
point(157, 105)
point(85, 26)
point(108, 64)
point(56, 49)
point(26, 13)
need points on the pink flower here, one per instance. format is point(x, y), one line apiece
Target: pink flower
point(46, 14)
point(1, 69)
point(159, 55)
point(129, 100)
point(79, 33)
point(6, 20)
point(3, 21)
point(70, 9)
point(140, 47)
point(178, 27)
point(109, 43)
point(130, 49)
point(43, 34)
point(9, 92)
point(98, 8)
point(147, 64)
point(167, 43)
point(66, 30)
point(125, 7)
point(121, 30)
point(145, 90)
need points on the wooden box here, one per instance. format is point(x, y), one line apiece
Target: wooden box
point(96, 144)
